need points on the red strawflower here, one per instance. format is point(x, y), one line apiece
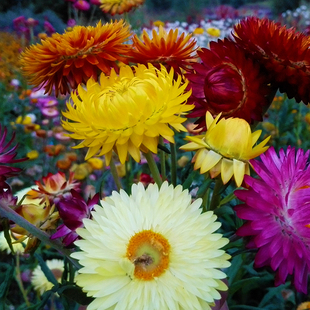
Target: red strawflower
point(227, 82)
point(72, 211)
point(283, 52)
point(277, 211)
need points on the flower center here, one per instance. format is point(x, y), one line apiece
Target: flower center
point(149, 252)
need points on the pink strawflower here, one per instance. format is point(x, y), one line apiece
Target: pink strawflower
point(31, 22)
point(19, 21)
point(82, 5)
point(277, 210)
point(72, 211)
point(71, 22)
point(48, 27)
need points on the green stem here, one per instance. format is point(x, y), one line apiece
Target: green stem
point(216, 195)
point(173, 167)
point(19, 280)
point(153, 167)
point(162, 156)
point(115, 175)
point(7, 212)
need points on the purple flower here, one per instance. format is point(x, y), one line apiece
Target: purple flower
point(48, 27)
point(8, 156)
point(72, 211)
point(277, 210)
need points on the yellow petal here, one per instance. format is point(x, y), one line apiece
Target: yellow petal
point(227, 170)
point(239, 171)
point(210, 160)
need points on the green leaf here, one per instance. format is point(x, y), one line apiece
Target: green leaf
point(5, 283)
point(272, 292)
point(75, 293)
point(47, 272)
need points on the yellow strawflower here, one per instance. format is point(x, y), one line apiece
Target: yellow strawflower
point(226, 148)
point(214, 32)
point(127, 113)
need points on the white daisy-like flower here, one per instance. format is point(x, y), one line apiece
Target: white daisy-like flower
point(16, 240)
point(39, 280)
point(151, 250)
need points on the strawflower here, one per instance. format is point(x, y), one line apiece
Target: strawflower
point(214, 32)
point(225, 148)
point(82, 5)
point(55, 186)
point(167, 48)
point(39, 212)
point(283, 52)
point(17, 246)
point(143, 252)
point(7, 156)
point(227, 82)
point(119, 6)
point(277, 212)
point(127, 112)
point(66, 60)
point(72, 211)
point(39, 280)
point(33, 154)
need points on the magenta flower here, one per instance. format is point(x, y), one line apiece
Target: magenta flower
point(48, 27)
point(72, 211)
point(7, 156)
point(277, 210)
point(82, 5)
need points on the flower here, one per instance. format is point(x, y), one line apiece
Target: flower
point(96, 163)
point(39, 212)
point(17, 246)
point(283, 52)
point(277, 212)
point(227, 82)
point(225, 148)
point(158, 23)
point(198, 31)
point(39, 280)
point(165, 48)
point(82, 5)
point(304, 306)
point(214, 32)
point(119, 6)
point(72, 211)
point(8, 156)
point(143, 251)
point(69, 59)
point(48, 27)
point(55, 186)
point(127, 112)
point(81, 171)
point(33, 154)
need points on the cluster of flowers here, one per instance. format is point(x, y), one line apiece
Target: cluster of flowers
point(155, 248)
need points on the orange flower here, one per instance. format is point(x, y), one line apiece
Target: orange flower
point(164, 48)
point(69, 59)
point(53, 150)
point(283, 52)
point(55, 186)
point(119, 6)
point(227, 82)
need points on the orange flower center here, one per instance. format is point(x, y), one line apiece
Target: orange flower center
point(149, 252)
